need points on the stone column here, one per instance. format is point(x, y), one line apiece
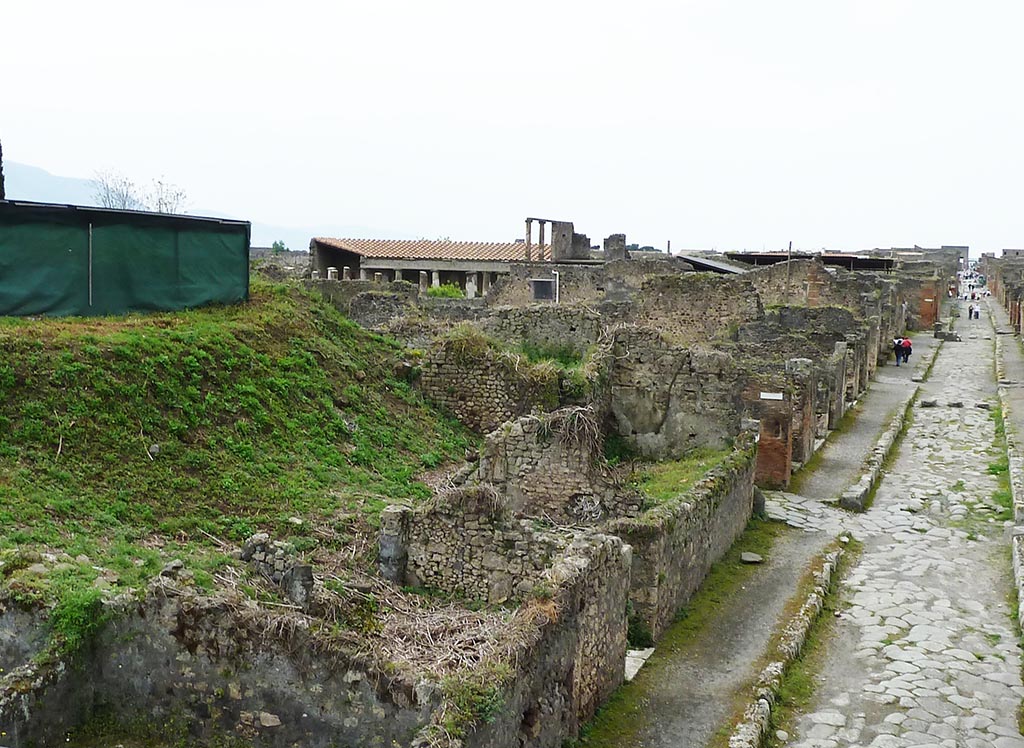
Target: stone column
point(346, 273)
point(398, 275)
point(486, 285)
point(332, 274)
point(435, 278)
point(529, 238)
point(315, 275)
point(378, 277)
point(470, 285)
point(423, 281)
point(363, 274)
point(540, 243)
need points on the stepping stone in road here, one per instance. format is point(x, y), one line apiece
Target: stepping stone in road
point(750, 558)
point(929, 403)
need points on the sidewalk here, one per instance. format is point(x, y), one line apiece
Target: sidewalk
point(842, 455)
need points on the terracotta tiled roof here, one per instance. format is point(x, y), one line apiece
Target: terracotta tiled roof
point(427, 249)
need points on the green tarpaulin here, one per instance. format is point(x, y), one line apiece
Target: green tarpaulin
point(69, 260)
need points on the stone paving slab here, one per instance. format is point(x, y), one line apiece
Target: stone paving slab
point(925, 652)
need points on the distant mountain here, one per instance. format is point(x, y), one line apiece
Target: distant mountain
point(24, 182)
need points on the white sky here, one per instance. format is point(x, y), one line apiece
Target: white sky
point(722, 124)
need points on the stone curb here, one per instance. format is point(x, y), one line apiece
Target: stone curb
point(856, 497)
point(1016, 472)
point(753, 728)
point(1013, 453)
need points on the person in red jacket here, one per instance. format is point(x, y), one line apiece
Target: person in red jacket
point(908, 347)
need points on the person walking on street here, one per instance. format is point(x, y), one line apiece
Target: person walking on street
point(897, 348)
point(908, 348)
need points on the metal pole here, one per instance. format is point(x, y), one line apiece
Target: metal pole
point(789, 268)
point(90, 264)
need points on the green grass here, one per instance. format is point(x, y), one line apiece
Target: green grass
point(1003, 495)
point(799, 682)
point(262, 411)
point(619, 722)
point(664, 481)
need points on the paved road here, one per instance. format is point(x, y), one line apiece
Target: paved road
point(686, 695)
point(926, 652)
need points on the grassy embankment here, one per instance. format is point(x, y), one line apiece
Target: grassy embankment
point(128, 441)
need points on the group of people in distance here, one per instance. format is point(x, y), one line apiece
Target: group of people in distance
point(902, 347)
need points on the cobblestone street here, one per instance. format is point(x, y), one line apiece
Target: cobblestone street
point(926, 650)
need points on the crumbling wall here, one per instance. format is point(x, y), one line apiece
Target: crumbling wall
point(567, 327)
point(552, 466)
point(675, 543)
point(210, 667)
point(574, 658)
point(696, 308)
point(467, 543)
point(482, 387)
point(667, 399)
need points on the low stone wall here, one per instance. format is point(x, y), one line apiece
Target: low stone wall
point(209, 668)
point(674, 544)
point(571, 659)
point(466, 543)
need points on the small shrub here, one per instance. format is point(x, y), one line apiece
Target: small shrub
point(446, 291)
point(75, 618)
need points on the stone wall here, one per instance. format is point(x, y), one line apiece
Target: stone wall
point(574, 659)
point(209, 667)
point(483, 388)
point(695, 308)
point(577, 283)
point(567, 327)
point(675, 544)
point(805, 392)
point(667, 399)
point(467, 543)
point(583, 283)
point(552, 466)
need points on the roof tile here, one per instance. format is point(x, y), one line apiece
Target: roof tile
point(428, 249)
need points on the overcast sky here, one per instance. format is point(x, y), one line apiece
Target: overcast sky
point(724, 124)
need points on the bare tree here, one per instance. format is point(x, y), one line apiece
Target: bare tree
point(165, 197)
point(114, 190)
